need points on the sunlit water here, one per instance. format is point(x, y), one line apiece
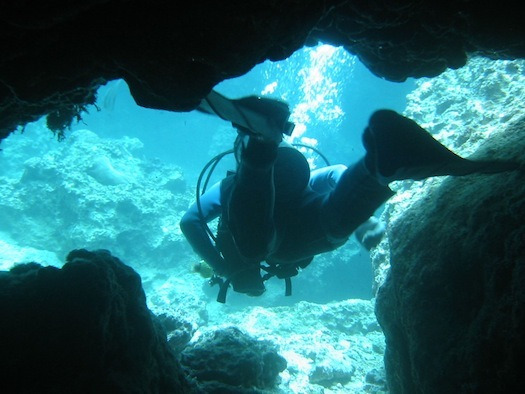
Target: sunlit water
point(331, 96)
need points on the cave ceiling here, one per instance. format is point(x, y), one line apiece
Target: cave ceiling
point(55, 54)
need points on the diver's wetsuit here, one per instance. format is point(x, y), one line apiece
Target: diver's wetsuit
point(272, 210)
point(283, 229)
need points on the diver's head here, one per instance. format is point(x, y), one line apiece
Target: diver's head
point(241, 141)
point(291, 171)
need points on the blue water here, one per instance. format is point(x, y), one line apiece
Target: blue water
point(51, 204)
point(331, 96)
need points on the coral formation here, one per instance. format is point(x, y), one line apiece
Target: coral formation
point(93, 192)
point(233, 360)
point(327, 346)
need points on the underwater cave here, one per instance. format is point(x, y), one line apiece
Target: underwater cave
point(436, 307)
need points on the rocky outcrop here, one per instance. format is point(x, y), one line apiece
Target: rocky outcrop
point(337, 346)
point(230, 361)
point(461, 111)
point(452, 303)
point(82, 328)
point(55, 56)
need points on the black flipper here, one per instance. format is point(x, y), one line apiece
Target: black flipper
point(398, 148)
point(265, 116)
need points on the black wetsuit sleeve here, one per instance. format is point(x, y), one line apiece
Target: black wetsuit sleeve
point(324, 179)
point(193, 227)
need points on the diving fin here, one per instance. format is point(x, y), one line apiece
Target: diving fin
point(260, 115)
point(398, 148)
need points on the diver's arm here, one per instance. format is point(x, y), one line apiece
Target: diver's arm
point(324, 179)
point(193, 227)
point(370, 233)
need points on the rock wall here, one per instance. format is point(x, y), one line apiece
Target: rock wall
point(452, 303)
point(462, 111)
point(82, 328)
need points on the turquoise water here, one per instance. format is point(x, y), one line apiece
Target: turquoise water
point(124, 176)
point(331, 95)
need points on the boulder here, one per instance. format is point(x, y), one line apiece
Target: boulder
point(82, 328)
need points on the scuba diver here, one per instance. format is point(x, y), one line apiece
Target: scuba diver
point(275, 215)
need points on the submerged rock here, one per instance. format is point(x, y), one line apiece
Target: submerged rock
point(332, 371)
point(179, 331)
point(103, 171)
point(230, 361)
point(82, 328)
point(452, 305)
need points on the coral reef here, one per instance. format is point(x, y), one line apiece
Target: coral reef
point(331, 346)
point(229, 360)
point(461, 112)
point(92, 192)
point(332, 371)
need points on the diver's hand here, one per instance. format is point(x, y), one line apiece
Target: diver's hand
point(370, 233)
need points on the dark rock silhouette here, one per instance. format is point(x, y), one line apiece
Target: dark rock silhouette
point(82, 328)
point(55, 56)
point(230, 361)
point(452, 306)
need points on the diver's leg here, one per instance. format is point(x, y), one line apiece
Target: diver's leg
point(397, 148)
point(251, 205)
point(353, 201)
